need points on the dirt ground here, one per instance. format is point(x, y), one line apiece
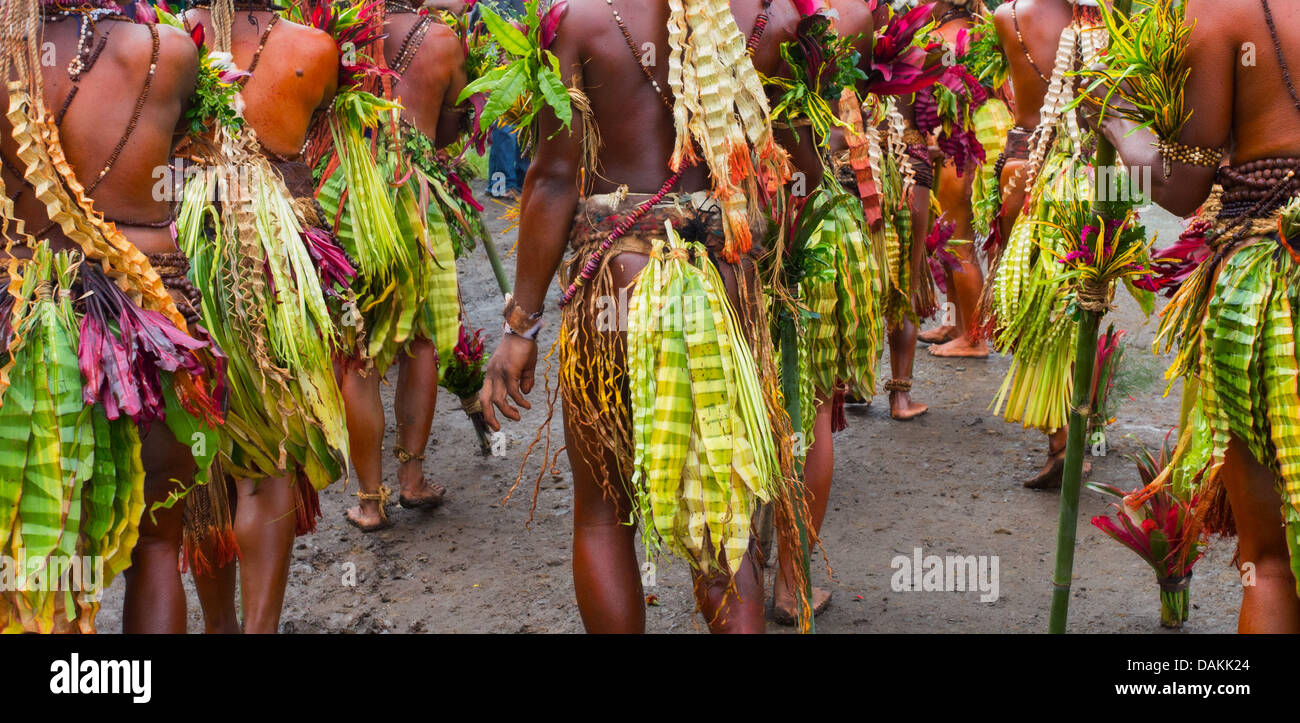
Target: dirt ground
point(949, 483)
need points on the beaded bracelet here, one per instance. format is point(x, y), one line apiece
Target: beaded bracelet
point(1187, 155)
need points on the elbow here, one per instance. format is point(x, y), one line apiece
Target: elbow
point(1177, 207)
point(1177, 195)
point(548, 188)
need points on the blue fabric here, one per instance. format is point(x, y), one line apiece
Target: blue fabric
point(504, 158)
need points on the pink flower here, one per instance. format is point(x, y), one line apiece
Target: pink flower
point(145, 13)
point(551, 22)
point(940, 258)
point(807, 7)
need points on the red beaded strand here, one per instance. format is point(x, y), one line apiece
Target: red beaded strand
point(593, 261)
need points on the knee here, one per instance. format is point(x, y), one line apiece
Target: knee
point(161, 541)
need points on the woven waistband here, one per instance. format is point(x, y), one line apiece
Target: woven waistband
point(695, 215)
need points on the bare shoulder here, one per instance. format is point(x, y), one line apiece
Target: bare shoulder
point(177, 51)
point(1223, 17)
point(1002, 16)
point(443, 42)
point(311, 44)
point(178, 58)
point(582, 20)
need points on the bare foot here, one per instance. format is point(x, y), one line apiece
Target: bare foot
point(783, 612)
point(961, 348)
point(938, 335)
point(902, 408)
point(1049, 478)
point(366, 516)
point(415, 492)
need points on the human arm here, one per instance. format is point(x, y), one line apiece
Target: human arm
point(550, 197)
point(1211, 56)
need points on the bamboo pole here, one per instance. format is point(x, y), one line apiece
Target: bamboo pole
point(494, 258)
point(793, 408)
point(1085, 357)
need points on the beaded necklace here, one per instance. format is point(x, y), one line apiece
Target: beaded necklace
point(1281, 58)
point(1015, 20)
point(596, 257)
point(411, 44)
point(760, 26)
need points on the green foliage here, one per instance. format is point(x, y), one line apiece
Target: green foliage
point(822, 63)
point(1146, 67)
point(529, 82)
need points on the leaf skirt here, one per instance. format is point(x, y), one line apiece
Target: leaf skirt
point(1247, 368)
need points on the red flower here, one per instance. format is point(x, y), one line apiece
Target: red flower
point(940, 258)
point(897, 66)
point(197, 35)
point(807, 7)
point(550, 25)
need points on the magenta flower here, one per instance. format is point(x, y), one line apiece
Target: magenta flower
point(466, 193)
point(807, 7)
point(124, 350)
point(1174, 264)
point(897, 66)
point(145, 13)
point(551, 22)
point(1158, 530)
point(937, 254)
point(331, 261)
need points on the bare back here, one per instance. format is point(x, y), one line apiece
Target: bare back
point(1030, 33)
point(101, 115)
point(854, 19)
point(434, 76)
point(295, 75)
point(635, 124)
point(1231, 54)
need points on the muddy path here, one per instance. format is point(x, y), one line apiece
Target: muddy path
point(948, 483)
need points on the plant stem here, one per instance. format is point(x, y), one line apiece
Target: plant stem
point(1072, 476)
point(1174, 608)
point(494, 258)
point(1085, 355)
point(793, 408)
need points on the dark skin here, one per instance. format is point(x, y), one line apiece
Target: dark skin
point(902, 335)
point(638, 136)
point(1247, 111)
point(965, 284)
point(1041, 23)
point(435, 78)
point(819, 464)
point(295, 77)
point(155, 598)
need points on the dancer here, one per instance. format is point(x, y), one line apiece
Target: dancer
point(906, 174)
point(982, 118)
point(1233, 317)
point(841, 346)
point(105, 396)
point(407, 286)
point(246, 234)
point(633, 428)
point(1037, 35)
